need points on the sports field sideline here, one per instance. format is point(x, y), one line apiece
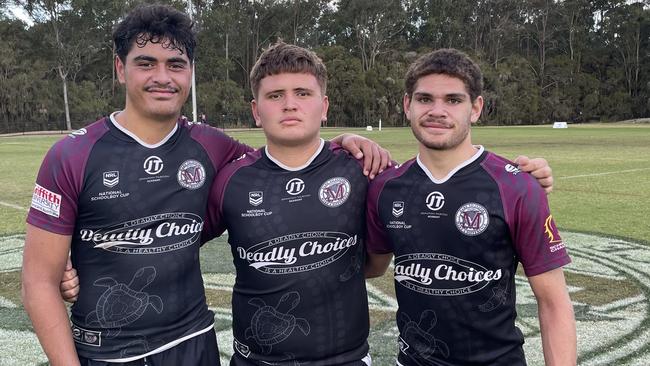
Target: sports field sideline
point(600, 202)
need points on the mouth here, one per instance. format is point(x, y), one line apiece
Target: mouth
point(290, 120)
point(437, 125)
point(161, 92)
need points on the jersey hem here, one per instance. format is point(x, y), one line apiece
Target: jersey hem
point(546, 267)
point(159, 349)
point(47, 226)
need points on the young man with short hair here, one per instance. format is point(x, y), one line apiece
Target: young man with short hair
point(127, 196)
point(458, 220)
point(294, 211)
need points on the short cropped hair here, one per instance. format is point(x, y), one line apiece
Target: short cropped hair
point(447, 61)
point(156, 24)
point(282, 57)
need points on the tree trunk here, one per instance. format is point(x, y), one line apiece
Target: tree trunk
point(227, 60)
point(64, 78)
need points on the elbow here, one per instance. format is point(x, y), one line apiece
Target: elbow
point(374, 272)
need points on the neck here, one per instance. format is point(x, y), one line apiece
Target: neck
point(441, 162)
point(151, 131)
point(293, 156)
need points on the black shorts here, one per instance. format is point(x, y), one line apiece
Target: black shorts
point(201, 350)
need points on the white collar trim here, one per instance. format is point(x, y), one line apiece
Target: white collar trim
point(137, 139)
point(451, 173)
point(276, 161)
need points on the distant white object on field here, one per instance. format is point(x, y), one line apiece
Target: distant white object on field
point(368, 128)
point(560, 125)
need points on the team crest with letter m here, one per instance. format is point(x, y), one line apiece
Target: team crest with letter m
point(334, 192)
point(191, 174)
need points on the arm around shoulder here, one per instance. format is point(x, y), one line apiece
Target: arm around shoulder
point(556, 319)
point(44, 260)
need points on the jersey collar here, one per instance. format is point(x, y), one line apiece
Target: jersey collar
point(137, 139)
point(278, 163)
point(456, 169)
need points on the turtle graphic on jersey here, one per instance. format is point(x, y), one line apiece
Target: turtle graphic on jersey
point(272, 325)
point(418, 336)
point(123, 304)
point(499, 295)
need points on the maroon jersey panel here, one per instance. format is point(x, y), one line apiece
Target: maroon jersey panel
point(60, 180)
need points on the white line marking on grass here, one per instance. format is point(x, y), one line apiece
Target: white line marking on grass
point(605, 173)
point(13, 206)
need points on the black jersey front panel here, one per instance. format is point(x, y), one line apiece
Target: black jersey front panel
point(455, 259)
point(137, 214)
point(297, 239)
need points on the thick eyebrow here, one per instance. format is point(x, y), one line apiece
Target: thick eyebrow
point(144, 58)
point(450, 95)
point(153, 59)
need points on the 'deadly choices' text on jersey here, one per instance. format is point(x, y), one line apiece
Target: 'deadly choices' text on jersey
point(457, 243)
point(297, 240)
point(135, 214)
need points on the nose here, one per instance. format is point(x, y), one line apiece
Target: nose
point(289, 102)
point(162, 75)
point(437, 109)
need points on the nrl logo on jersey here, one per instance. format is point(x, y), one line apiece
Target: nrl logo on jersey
point(255, 198)
point(298, 252)
point(111, 179)
point(472, 219)
point(441, 274)
point(191, 174)
point(334, 192)
point(398, 208)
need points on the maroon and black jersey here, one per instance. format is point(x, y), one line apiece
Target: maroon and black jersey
point(297, 240)
point(135, 213)
point(457, 243)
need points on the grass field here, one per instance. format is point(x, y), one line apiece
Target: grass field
point(600, 202)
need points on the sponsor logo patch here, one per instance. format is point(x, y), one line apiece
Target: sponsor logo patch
point(46, 201)
point(435, 201)
point(295, 186)
point(255, 198)
point(472, 219)
point(111, 179)
point(243, 349)
point(334, 192)
point(554, 240)
point(297, 252)
point(87, 337)
point(79, 132)
point(191, 174)
point(441, 274)
point(147, 235)
point(153, 165)
point(512, 169)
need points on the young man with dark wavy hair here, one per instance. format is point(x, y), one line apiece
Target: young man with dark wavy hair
point(127, 196)
point(459, 219)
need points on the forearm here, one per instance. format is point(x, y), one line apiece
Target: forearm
point(558, 330)
point(49, 317)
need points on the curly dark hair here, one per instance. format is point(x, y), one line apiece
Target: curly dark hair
point(282, 57)
point(156, 24)
point(450, 62)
